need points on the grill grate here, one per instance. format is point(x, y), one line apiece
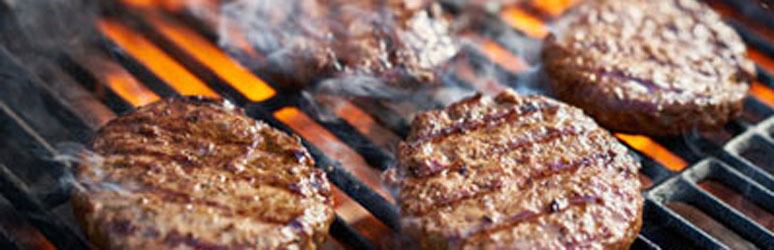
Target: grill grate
point(730, 164)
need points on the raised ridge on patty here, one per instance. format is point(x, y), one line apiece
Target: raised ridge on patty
point(199, 174)
point(655, 67)
point(523, 172)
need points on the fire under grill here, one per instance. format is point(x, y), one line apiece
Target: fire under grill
point(703, 190)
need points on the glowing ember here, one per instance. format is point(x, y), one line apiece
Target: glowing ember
point(502, 56)
point(331, 146)
point(169, 4)
point(237, 76)
point(130, 90)
point(762, 93)
point(365, 124)
point(156, 60)
point(654, 150)
point(763, 60)
point(554, 7)
point(525, 22)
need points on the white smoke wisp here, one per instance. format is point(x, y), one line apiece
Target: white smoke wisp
point(74, 156)
point(350, 48)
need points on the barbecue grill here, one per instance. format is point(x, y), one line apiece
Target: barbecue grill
point(703, 190)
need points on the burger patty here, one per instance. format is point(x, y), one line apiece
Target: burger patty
point(516, 172)
point(196, 174)
point(401, 42)
point(655, 67)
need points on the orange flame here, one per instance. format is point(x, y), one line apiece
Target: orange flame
point(237, 76)
point(554, 7)
point(763, 60)
point(654, 150)
point(169, 4)
point(525, 22)
point(762, 93)
point(330, 145)
point(502, 56)
point(130, 90)
point(365, 124)
point(156, 60)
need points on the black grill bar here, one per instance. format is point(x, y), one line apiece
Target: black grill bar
point(654, 170)
point(351, 185)
point(684, 188)
point(765, 77)
point(643, 243)
point(143, 74)
point(657, 217)
point(757, 107)
point(712, 169)
point(6, 242)
point(727, 215)
point(384, 115)
point(749, 9)
point(188, 61)
point(737, 163)
point(751, 38)
point(50, 225)
point(349, 236)
point(87, 79)
point(373, 154)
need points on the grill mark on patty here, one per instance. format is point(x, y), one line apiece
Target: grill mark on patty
point(174, 239)
point(489, 120)
point(490, 226)
point(431, 168)
point(284, 182)
point(169, 195)
point(182, 159)
point(497, 184)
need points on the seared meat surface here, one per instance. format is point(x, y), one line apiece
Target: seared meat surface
point(195, 174)
point(656, 67)
point(515, 172)
point(400, 42)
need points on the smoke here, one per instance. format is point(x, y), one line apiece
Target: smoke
point(47, 26)
point(380, 49)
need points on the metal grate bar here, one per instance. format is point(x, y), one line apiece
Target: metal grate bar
point(644, 243)
point(663, 217)
point(189, 62)
point(373, 154)
point(751, 10)
point(153, 82)
point(351, 185)
point(727, 215)
point(764, 76)
point(384, 115)
point(348, 235)
point(87, 79)
point(712, 169)
point(752, 39)
point(6, 242)
point(50, 225)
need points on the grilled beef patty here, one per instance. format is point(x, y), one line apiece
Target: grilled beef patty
point(193, 174)
point(516, 172)
point(401, 42)
point(655, 67)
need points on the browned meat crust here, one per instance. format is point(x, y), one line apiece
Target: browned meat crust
point(656, 67)
point(516, 172)
point(402, 42)
point(190, 174)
